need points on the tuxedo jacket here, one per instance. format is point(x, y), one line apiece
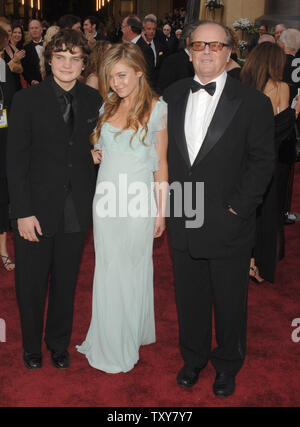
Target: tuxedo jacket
point(42, 159)
point(175, 67)
point(152, 69)
point(31, 64)
point(235, 163)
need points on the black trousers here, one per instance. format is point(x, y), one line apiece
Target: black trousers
point(58, 257)
point(201, 284)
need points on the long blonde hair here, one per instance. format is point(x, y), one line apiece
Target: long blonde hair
point(51, 31)
point(140, 113)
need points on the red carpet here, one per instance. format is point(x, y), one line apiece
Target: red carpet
point(270, 376)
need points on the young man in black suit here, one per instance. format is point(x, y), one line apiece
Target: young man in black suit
point(220, 134)
point(51, 185)
point(31, 62)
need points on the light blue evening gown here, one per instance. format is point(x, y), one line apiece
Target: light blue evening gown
point(123, 306)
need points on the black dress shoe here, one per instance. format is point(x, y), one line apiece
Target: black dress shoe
point(224, 385)
point(32, 360)
point(187, 376)
point(60, 360)
point(288, 221)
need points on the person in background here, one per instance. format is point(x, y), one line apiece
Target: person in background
point(17, 37)
point(178, 33)
point(7, 91)
point(91, 73)
point(71, 22)
point(178, 65)
point(33, 50)
point(254, 41)
point(266, 38)
point(233, 68)
point(46, 68)
point(263, 70)
point(153, 49)
point(290, 42)
point(45, 26)
point(170, 39)
point(90, 29)
point(278, 31)
point(12, 56)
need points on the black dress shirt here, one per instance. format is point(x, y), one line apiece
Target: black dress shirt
point(71, 224)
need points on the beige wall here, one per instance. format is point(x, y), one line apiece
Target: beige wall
point(234, 9)
point(144, 7)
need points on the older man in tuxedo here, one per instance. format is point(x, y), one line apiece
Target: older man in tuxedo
point(220, 134)
point(31, 62)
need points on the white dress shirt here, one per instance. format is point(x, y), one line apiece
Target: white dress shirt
point(39, 49)
point(199, 112)
point(152, 45)
point(136, 39)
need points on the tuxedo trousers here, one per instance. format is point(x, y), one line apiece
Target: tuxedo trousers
point(204, 286)
point(58, 258)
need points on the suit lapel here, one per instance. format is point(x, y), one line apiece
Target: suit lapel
point(180, 120)
point(35, 55)
point(228, 104)
point(83, 109)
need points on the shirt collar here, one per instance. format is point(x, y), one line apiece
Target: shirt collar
point(136, 39)
point(59, 91)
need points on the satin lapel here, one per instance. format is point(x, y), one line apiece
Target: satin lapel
point(179, 120)
point(228, 104)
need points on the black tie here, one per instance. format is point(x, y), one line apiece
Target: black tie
point(210, 87)
point(39, 43)
point(68, 113)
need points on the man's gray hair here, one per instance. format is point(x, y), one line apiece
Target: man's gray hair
point(149, 19)
point(280, 25)
point(151, 16)
point(229, 36)
point(291, 39)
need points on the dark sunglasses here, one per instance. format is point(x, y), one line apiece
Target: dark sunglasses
point(214, 46)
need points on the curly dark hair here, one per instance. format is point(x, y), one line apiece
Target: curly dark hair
point(66, 40)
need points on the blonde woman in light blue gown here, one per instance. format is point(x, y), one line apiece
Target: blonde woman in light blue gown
point(128, 211)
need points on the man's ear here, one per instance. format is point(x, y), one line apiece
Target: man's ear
point(228, 57)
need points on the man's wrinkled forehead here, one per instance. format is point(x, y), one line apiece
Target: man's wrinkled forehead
point(212, 31)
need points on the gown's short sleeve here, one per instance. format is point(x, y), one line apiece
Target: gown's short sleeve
point(99, 144)
point(158, 122)
point(159, 116)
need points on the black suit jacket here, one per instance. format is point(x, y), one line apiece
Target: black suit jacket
point(152, 69)
point(31, 64)
point(174, 68)
point(235, 163)
point(171, 43)
point(42, 159)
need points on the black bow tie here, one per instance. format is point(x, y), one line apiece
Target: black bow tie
point(38, 43)
point(210, 87)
